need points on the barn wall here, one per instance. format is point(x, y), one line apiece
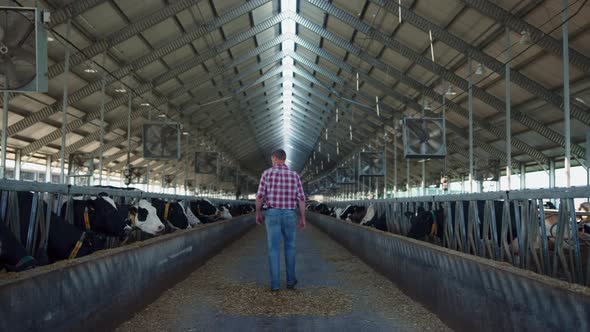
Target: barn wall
point(97, 292)
point(468, 293)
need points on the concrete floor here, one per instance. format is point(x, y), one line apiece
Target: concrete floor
point(336, 292)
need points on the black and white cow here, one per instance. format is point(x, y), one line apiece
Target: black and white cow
point(205, 211)
point(172, 214)
point(98, 216)
point(223, 211)
point(373, 219)
point(240, 209)
point(64, 239)
point(142, 215)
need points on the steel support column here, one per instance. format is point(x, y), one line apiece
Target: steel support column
point(470, 108)
point(508, 105)
point(17, 163)
point(102, 103)
point(588, 158)
point(395, 164)
point(4, 134)
point(522, 176)
point(566, 93)
point(408, 177)
point(129, 128)
point(64, 124)
point(48, 169)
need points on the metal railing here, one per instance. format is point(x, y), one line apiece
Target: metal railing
point(507, 226)
point(54, 195)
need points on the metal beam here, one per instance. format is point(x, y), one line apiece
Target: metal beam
point(539, 37)
point(490, 62)
point(407, 80)
point(135, 65)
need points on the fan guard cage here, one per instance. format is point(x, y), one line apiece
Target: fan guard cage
point(424, 138)
point(23, 50)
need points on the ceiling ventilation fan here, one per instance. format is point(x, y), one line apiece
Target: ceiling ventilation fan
point(168, 178)
point(424, 138)
point(23, 50)
point(137, 175)
point(80, 169)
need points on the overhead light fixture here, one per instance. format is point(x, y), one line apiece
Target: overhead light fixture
point(580, 100)
point(121, 89)
point(90, 69)
point(161, 115)
point(50, 39)
point(525, 38)
point(427, 106)
point(480, 71)
point(185, 133)
point(145, 104)
point(451, 91)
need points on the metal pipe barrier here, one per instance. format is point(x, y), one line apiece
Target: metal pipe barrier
point(98, 292)
point(468, 293)
point(522, 238)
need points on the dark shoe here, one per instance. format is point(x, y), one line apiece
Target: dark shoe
point(274, 290)
point(292, 286)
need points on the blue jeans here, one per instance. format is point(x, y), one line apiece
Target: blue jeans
point(279, 221)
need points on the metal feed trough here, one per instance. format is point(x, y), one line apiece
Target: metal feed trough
point(568, 258)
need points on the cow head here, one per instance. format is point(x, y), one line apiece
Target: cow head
point(223, 212)
point(192, 219)
point(104, 215)
point(369, 215)
point(204, 207)
point(146, 217)
point(171, 212)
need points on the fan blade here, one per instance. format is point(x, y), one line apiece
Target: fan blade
point(10, 72)
point(24, 55)
point(434, 144)
point(18, 28)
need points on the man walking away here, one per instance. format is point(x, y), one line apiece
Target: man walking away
point(281, 189)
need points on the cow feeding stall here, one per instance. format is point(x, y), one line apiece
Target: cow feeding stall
point(74, 292)
point(485, 292)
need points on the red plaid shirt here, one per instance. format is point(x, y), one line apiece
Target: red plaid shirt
point(280, 188)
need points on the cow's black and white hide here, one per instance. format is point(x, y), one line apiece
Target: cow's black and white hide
point(143, 216)
point(61, 237)
point(323, 209)
point(421, 224)
point(103, 218)
point(205, 211)
point(172, 214)
point(240, 209)
point(372, 219)
point(223, 212)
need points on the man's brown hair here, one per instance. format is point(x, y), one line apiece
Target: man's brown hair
point(280, 154)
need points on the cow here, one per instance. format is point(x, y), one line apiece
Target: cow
point(98, 216)
point(142, 215)
point(223, 211)
point(240, 209)
point(205, 211)
point(372, 219)
point(13, 255)
point(421, 223)
point(323, 209)
point(356, 214)
point(64, 240)
point(172, 214)
point(191, 217)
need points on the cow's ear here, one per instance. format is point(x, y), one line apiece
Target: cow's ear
point(133, 209)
